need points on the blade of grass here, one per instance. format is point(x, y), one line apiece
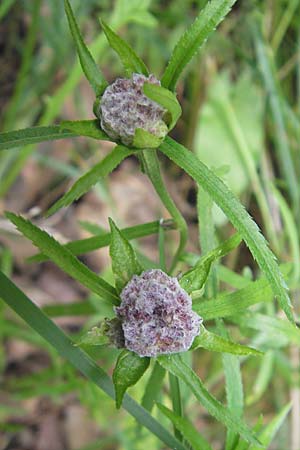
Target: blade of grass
point(33, 316)
point(236, 213)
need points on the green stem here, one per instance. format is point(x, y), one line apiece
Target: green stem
point(151, 167)
point(176, 401)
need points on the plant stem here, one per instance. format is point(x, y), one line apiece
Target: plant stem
point(151, 167)
point(176, 401)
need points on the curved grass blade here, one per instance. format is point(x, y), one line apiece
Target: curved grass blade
point(89, 67)
point(64, 259)
point(179, 368)
point(236, 213)
point(194, 37)
point(166, 99)
point(131, 62)
point(90, 178)
point(88, 128)
point(37, 320)
point(195, 439)
point(33, 135)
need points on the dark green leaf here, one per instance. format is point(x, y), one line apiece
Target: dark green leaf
point(195, 36)
point(34, 317)
point(215, 343)
point(19, 138)
point(195, 278)
point(129, 369)
point(64, 259)
point(153, 386)
point(88, 128)
point(192, 436)
point(131, 62)
point(90, 178)
point(87, 62)
point(236, 213)
point(166, 99)
point(179, 368)
point(124, 260)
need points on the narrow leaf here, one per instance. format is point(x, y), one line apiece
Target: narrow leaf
point(153, 387)
point(236, 213)
point(192, 436)
point(166, 99)
point(143, 139)
point(194, 37)
point(124, 260)
point(34, 135)
point(178, 367)
point(195, 278)
point(129, 369)
point(90, 178)
point(47, 329)
point(64, 259)
point(131, 62)
point(215, 343)
point(88, 128)
point(89, 67)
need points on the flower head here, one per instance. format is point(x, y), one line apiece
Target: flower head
point(124, 107)
point(156, 315)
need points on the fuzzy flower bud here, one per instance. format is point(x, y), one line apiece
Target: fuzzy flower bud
point(156, 315)
point(124, 107)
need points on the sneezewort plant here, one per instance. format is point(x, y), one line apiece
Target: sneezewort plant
point(154, 316)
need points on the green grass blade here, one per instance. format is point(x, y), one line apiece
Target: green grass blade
point(194, 37)
point(88, 128)
point(236, 213)
point(215, 343)
point(179, 368)
point(64, 259)
point(166, 99)
point(192, 436)
point(89, 67)
point(90, 178)
point(82, 246)
point(34, 317)
point(131, 62)
point(33, 135)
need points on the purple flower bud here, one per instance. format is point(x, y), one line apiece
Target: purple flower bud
point(156, 315)
point(124, 108)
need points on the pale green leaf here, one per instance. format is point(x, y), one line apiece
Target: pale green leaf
point(166, 99)
point(143, 139)
point(88, 128)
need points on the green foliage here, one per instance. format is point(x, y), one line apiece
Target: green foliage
point(129, 369)
point(131, 62)
point(87, 62)
point(123, 257)
point(144, 139)
point(166, 99)
point(88, 128)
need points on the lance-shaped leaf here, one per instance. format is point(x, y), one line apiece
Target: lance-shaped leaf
point(131, 62)
point(153, 387)
point(33, 135)
point(90, 178)
point(194, 279)
point(124, 260)
point(143, 139)
point(129, 369)
point(89, 67)
point(179, 368)
point(213, 13)
point(236, 213)
point(213, 342)
point(166, 99)
point(64, 259)
point(188, 431)
point(88, 128)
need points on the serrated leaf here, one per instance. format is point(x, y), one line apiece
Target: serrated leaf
point(194, 37)
point(166, 99)
point(90, 178)
point(143, 139)
point(129, 369)
point(64, 259)
point(215, 343)
point(131, 62)
point(89, 67)
point(190, 434)
point(194, 279)
point(179, 368)
point(33, 135)
point(88, 128)
point(236, 213)
point(124, 260)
